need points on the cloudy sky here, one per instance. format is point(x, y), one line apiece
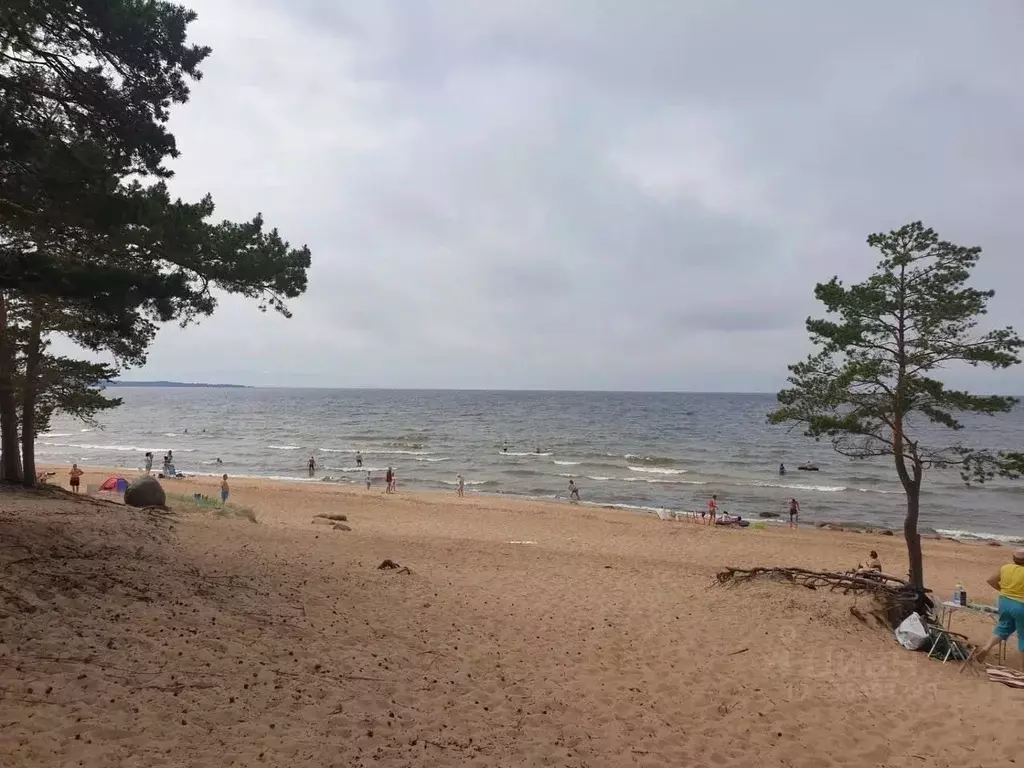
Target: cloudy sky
point(589, 194)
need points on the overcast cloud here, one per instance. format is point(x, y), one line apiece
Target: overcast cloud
point(589, 194)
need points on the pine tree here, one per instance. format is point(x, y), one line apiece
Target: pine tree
point(875, 380)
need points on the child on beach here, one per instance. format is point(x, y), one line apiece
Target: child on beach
point(794, 513)
point(387, 480)
point(75, 477)
point(574, 493)
point(224, 490)
point(461, 486)
point(369, 481)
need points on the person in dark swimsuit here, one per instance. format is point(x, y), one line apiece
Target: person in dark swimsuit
point(312, 466)
point(388, 477)
point(794, 513)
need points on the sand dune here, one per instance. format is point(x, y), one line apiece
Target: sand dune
point(200, 639)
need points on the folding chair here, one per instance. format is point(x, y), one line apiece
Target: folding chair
point(951, 645)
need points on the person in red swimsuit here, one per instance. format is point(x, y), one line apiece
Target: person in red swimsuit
point(712, 508)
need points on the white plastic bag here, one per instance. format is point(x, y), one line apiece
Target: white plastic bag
point(911, 634)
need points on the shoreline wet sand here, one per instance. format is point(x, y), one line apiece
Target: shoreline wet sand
point(525, 633)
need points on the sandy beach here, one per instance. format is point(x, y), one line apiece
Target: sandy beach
point(522, 634)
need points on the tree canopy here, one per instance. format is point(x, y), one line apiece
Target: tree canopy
point(875, 381)
point(92, 243)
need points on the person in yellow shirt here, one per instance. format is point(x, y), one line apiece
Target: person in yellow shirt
point(1009, 581)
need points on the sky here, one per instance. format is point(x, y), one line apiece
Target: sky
point(589, 194)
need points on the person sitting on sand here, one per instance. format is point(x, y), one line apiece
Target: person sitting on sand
point(224, 490)
point(75, 477)
point(873, 563)
point(1009, 582)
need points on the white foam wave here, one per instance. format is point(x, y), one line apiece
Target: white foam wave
point(285, 447)
point(599, 478)
point(659, 481)
point(568, 463)
point(634, 507)
point(954, 533)
point(170, 434)
point(531, 453)
point(432, 459)
point(803, 487)
point(121, 448)
point(658, 470)
point(468, 482)
point(55, 434)
point(358, 469)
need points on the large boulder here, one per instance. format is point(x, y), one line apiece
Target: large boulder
point(145, 491)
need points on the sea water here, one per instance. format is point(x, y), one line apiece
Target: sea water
point(647, 452)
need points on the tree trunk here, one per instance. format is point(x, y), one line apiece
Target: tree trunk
point(913, 537)
point(30, 387)
point(10, 461)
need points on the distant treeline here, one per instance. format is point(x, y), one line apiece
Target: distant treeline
point(173, 384)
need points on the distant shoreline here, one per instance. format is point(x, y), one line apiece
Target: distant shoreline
point(179, 384)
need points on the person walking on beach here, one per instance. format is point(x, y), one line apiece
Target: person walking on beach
point(359, 459)
point(794, 513)
point(75, 477)
point(712, 509)
point(312, 465)
point(461, 483)
point(388, 476)
point(224, 490)
point(149, 462)
point(1009, 582)
point(369, 481)
point(394, 482)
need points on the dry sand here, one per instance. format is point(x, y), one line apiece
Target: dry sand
point(526, 634)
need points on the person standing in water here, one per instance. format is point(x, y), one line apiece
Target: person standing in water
point(312, 465)
point(782, 469)
point(794, 513)
point(574, 493)
point(359, 459)
point(461, 485)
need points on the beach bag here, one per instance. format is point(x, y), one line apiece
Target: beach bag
point(911, 634)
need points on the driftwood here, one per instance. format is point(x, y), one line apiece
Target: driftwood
point(898, 598)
